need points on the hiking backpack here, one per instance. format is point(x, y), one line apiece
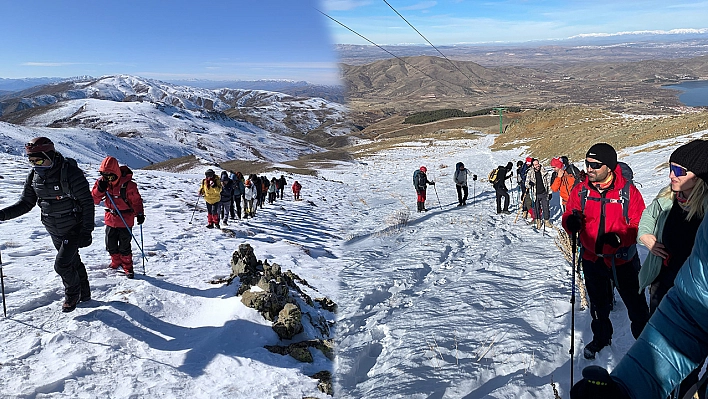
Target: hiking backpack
point(628, 175)
point(416, 178)
point(493, 175)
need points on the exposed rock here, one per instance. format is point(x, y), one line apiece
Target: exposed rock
point(327, 304)
point(325, 385)
point(289, 322)
point(268, 304)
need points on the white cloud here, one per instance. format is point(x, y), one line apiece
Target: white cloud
point(344, 5)
point(49, 64)
point(420, 6)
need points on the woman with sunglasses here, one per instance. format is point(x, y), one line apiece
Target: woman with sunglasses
point(669, 224)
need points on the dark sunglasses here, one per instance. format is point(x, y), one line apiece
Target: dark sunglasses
point(109, 176)
point(38, 161)
point(594, 165)
point(678, 170)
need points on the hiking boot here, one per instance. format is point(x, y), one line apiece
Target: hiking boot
point(592, 348)
point(85, 292)
point(130, 274)
point(216, 225)
point(70, 302)
point(210, 226)
point(226, 222)
point(548, 224)
point(506, 212)
point(597, 383)
point(538, 223)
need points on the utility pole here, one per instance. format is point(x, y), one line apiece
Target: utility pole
point(501, 113)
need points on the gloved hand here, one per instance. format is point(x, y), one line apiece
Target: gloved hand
point(85, 239)
point(550, 197)
point(102, 185)
point(611, 239)
point(597, 383)
point(140, 218)
point(432, 183)
point(575, 221)
point(211, 183)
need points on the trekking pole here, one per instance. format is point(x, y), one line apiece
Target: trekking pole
point(573, 241)
point(110, 197)
point(142, 244)
point(195, 207)
point(2, 283)
point(474, 190)
point(436, 194)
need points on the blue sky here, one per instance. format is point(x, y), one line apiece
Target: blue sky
point(176, 39)
point(471, 21)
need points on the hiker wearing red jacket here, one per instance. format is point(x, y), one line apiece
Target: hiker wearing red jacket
point(117, 182)
point(607, 224)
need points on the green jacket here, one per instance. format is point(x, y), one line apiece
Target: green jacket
point(652, 222)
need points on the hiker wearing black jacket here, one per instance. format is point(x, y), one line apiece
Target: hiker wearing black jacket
point(67, 216)
point(281, 186)
point(503, 173)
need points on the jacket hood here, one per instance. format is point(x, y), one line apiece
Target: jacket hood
point(110, 165)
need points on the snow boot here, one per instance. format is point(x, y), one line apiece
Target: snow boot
point(217, 226)
point(115, 261)
point(85, 292)
point(210, 226)
point(592, 348)
point(128, 265)
point(597, 383)
point(70, 302)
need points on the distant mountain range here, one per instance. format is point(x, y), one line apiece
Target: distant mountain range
point(164, 120)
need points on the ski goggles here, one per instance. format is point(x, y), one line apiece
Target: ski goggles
point(678, 170)
point(109, 176)
point(594, 164)
point(38, 161)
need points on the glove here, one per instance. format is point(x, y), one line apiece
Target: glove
point(575, 221)
point(102, 185)
point(140, 218)
point(432, 183)
point(611, 239)
point(85, 239)
point(550, 197)
point(597, 383)
point(212, 183)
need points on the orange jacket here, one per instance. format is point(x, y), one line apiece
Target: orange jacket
point(563, 185)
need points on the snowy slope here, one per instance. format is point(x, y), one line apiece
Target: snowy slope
point(461, 302)
point(169, 333)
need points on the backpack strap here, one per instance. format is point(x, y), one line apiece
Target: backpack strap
point(64, 178)
point(124, 195)
point(624, 200)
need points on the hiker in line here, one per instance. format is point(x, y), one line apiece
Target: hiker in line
point(250, 194)
point(281, 186)
point(296, 190)
point(272, 190)
point(673, 343)
point(232, 209)
point(669, 225)
point(117, 181)
point(563, 182)
point(420, 182)
point(60, 189)
point(239, 189)
point(265, 184)
point(211, 190)
point(607, 225)
point(526, 203)
point(461, 183)
point(569, 167)
point(227, 195)
point(499, 183)
point(539, 188)
point(256, 183)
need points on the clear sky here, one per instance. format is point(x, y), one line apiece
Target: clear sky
point(473, 21)
point(161, 39)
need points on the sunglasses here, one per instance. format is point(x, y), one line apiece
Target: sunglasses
point(594, 165)
point(109, 176)
point(38, 161)
point(678, 170)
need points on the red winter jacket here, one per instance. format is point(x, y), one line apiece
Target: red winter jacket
point(614, 217)
point(133, 205)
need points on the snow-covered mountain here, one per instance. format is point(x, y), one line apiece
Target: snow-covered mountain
point(169, 121)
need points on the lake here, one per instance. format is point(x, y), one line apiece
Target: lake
point(694, 92)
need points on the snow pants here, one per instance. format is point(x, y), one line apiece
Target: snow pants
point(118, 240)
point(502, 192)
point(598, 281)
point(68, 265)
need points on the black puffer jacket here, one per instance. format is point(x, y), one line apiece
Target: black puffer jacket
point(61, 215)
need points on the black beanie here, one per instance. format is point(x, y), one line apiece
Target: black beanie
point(694, 157)
point(604, 153)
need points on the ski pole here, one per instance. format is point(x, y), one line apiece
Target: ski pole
point(110, 197)
point(142, 244)
point(195, 207)
point(474, 190)
point(436, 194)
point(573, 241)
point(2, 283)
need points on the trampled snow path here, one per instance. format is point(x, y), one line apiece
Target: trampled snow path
point(460, 302)
point(169, 333)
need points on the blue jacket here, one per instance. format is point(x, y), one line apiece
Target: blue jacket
point(675, 341)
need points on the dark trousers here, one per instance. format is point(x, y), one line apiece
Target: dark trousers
point(502, 192)
point(224, 210)
point(542, 207)
point(68, 265)
point(233, 202)
point(598, 281)
point(118, 240)
point(460, 190)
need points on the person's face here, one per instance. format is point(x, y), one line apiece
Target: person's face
point(536, 165)
point(596, 170)
point(681, 178)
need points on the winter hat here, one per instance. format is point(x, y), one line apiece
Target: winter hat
point(604, 153)
point(209, 172)
point(509, 165)
point(557, 163)
point(529, 160)
point(40, 147)
point(692, 156)
point(423, 169)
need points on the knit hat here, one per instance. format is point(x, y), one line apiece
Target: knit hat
point(604, 153)
point(423, 169)
point(692, 156)
point(529, 160)
point(557, 163)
